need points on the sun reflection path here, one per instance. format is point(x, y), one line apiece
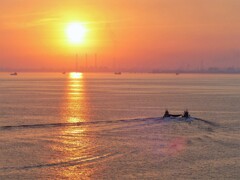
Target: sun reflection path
point(76, 105)
point(76, 148)
point(75, 75)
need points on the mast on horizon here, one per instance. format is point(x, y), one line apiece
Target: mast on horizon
point(76, 63)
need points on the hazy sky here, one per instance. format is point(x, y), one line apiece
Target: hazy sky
point(139, 34)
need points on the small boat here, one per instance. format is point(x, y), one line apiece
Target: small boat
point(184, 115)
point(118, 73)
point(14, 74)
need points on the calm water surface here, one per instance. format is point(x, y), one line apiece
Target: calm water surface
point(106, 126)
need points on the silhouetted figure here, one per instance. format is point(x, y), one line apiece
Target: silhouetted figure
point(166, 114)
point(186, 114)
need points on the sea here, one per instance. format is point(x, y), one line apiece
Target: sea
point(108, 126)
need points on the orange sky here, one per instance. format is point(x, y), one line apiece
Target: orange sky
point(138, 34)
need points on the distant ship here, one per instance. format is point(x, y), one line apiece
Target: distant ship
point(14, 74)
point(118, 73)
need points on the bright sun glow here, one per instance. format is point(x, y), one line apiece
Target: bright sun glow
point(76, 32)
point(75, 75)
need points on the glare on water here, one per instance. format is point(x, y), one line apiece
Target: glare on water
point(75, 107)
point(104, 126)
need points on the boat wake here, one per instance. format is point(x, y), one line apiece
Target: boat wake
point(75, 124)
point(77, 161)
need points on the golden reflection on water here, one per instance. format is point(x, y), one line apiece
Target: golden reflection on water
point(75, 75)
point(76, 110)
point(76, 147)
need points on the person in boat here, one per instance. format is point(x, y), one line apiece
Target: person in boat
point(186, 114)
point(166, 114)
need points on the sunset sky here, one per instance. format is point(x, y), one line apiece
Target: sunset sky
point(135, 34)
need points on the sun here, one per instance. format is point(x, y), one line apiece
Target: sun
point(76, 32)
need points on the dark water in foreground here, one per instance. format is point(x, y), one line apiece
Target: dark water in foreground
point(106, 126)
